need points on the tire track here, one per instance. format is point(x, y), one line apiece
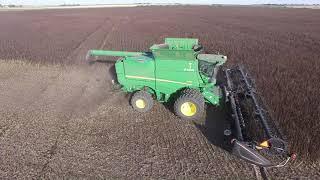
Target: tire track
point(114, 28)
point(73, 54)
point(73, 104)
point(261, 173)
point(62, 97)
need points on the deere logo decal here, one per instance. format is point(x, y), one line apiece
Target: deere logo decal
point(189, 68)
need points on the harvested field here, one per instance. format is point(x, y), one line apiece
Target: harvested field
point(60, 118)
point(67, 122)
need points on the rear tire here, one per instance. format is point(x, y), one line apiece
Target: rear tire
point(113, 74)
point(142, 101)
point(190, 105)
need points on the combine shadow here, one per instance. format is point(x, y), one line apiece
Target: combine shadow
point(213, 128)
point(215, 123)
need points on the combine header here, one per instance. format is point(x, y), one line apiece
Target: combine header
point(177, 71)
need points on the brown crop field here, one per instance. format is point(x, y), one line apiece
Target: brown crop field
point(59, 117)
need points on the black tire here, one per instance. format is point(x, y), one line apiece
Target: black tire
point(113, 78)
point(140, 96)
point(196, 99)
point(113, 74)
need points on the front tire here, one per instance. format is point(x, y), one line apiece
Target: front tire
point(142, 101)
point(190, 105)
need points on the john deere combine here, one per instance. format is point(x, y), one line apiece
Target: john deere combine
point(177, 71)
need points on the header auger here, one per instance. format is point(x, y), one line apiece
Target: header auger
point(178, 71)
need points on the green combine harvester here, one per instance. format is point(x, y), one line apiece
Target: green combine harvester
point(177, 71)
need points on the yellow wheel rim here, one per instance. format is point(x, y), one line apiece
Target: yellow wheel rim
point(140, 103)
point(188, 109)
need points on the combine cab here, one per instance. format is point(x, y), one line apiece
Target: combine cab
point(178, 71)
